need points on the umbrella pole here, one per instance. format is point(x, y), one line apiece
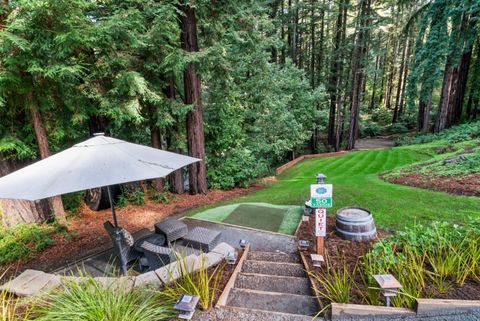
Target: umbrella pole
point(112, 206)
point(118, 237)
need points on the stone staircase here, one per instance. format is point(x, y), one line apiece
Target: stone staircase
point(274, 286)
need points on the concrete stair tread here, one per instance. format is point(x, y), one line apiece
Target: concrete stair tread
point(274, 283)
point(273, 268)
point(273, 301)
point(274, 257)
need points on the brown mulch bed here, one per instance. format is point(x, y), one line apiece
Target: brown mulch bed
point(461, 185)
point(90, 236)
point(340, 251)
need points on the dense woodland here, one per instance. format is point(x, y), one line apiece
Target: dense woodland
point(244, 85)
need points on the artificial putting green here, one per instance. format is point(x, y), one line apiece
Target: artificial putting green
point(262, 216)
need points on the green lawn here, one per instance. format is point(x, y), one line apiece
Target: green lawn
point(356, 183)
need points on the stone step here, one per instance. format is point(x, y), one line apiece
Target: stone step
point(237, 313)
point(273, 268)
point(274, 257)
point(273, 301)
point(274, 283)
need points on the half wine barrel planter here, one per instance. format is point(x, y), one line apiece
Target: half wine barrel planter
point(356, 224)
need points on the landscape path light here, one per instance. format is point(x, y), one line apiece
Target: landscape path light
point(242, 243)
point(186, 305)
point(389, 286)
point(303, 245)
point(231, 257)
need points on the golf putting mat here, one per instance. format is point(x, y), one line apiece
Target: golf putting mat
point(263, 216)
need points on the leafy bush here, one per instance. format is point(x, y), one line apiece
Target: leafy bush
point(135, 197)
point(90, 301)
point(397, 128)
point(20, 241)
point(164, 196)
point(72, 202)
point(369, 129)
point(382, 116)
point(236, 168)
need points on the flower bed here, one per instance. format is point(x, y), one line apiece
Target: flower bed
point(440, 261)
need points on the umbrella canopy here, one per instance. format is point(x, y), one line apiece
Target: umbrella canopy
point(96, 162)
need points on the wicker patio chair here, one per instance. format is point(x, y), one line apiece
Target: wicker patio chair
point(130, 249)
point(157, 256)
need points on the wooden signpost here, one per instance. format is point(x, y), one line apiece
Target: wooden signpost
point(322, 198)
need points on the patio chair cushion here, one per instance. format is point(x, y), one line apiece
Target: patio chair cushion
point(127, 237)
point(172, 229)
point(203, 239)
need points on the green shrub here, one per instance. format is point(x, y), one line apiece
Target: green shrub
point(369, 129)
point(20, 241)
point(90, 301)
point(236, 168)
point(397, 128)
point(164, 197)
point(72, 202)
point(135, 197)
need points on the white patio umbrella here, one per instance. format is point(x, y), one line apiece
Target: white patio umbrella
point(97, 162)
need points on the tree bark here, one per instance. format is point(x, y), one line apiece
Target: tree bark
point(44, 151)
point(156, 141)
point(333, 79)
point(192, 87)
point(400, 83)
point(358, 73)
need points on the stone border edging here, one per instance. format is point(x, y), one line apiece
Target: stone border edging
point(425, 308)
point(291, 163)
point(314, 287)
point(222, 300)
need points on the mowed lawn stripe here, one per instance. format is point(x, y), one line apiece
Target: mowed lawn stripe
point(356, 183)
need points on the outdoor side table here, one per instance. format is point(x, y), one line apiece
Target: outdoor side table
point(172, 229)
point(203, 239)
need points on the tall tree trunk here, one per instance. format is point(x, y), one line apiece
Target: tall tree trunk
point(441, 121)
point(14, 211)
point(358, 72)
point(44, 151)
point(333, 79)
point(156, 141)
point(282, 31)
point(374, 85)
point(175, 179)
point(405, 76)
point(400, 83)
point(463, 70)
point(192, 86)
point(426, 114)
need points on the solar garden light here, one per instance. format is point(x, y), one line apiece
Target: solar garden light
point(243, 243)
point(389, 286)
point(231, 257)
point(317, 259)
point(303, 245)
point(186, 305)
point(321, 178)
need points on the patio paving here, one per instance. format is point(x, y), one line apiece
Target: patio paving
point(104, 263)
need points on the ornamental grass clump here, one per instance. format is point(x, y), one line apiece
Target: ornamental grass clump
point(336, 281)
point(92, 301)
point(194, 280)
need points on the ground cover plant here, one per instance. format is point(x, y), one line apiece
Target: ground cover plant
point(11, 308)
point(356, 181)
point(23, 240)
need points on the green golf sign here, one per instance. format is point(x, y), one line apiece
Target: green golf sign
point(324, 202)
